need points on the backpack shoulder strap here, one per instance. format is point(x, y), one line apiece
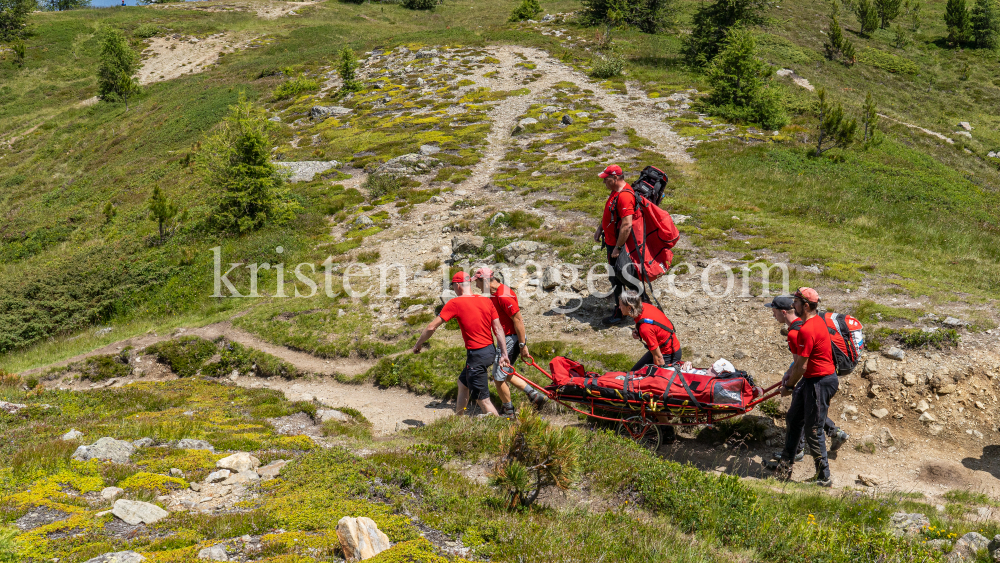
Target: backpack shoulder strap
point(652, 322)
point(797, 325)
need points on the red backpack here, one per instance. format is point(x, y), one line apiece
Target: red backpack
point(653, 235)
point(847, 340)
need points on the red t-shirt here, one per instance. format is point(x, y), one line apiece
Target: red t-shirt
point(813, 342)
point(793, 337)
point(653, 336)
point(505, 302)
point(624, 208)
point(475, 315)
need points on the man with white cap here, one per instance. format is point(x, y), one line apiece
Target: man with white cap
point(479, 322)
point(783, 312)
point(815, 367)
point(505, 302)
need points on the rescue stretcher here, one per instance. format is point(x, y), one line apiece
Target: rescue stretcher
point(643, 402)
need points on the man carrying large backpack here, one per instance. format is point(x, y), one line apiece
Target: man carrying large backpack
point(620, 211)
point(813, 365)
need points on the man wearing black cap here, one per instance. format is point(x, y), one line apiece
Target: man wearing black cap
point(616, 225)
point(784, 312)
point(479, 322)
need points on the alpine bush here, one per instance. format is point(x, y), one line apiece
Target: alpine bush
point(741, 88)
point(294, 87)
point(526, 10)
point(835, 129)
point(607, 65)
point(185, 355)
point(419, 4)
point(14, 17)
point(648, 16)
point(535, 455)
point(119, 63)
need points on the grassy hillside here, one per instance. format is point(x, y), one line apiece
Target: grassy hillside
point(912, 215)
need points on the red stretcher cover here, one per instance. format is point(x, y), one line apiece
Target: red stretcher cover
point(668, 386)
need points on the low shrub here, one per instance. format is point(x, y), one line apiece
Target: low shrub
point(419, 4)
point(295, 87)
point(911, 338)
point(607, 65)
point(358, 427)
point(379, 185)
point(146, 30)
point(526, 10)
point(236, 357)
point(184, 355)
point(535, 455)
point(107, 366)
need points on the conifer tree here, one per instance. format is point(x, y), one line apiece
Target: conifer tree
point(867, 16)
point(740, 82)
point(888, 10)
point(161, 210)
point(835, 130)
point(986, 24)
point(869, 119)
point(119, 63)
point(956, 17)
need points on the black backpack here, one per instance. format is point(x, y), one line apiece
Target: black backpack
point(651, 184)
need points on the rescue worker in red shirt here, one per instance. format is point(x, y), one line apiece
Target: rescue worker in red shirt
point(653, 328)
point(656, 332)
point(815, 367)
point(783, 312)
point(505, 301)
point(616, 226)
point(479, 322)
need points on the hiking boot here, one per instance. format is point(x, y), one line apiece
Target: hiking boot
point(508, 412)
point(798, 457)
point(824, 483)
point(538, 400)
point(838, 439)
point(615, 318)
point(782, 470)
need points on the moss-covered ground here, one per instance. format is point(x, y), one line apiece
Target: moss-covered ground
point(629, 505)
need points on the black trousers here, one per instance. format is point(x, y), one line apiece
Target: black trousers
point(619, 281)
point(829, 427)
point(647, 359)
point(808, 413)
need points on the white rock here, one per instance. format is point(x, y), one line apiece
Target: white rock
point(527, 121)
point(217, 476)
point(922, 406)
point(106, 449)
point(413, 310)
point(360, 538)
point(909, 379)
point(118, 557)
point(850, 410)
point(135, 512)
point(11, 408)
point(428, 150)
point(143, 443)
point(214, 553)
point(242, 478)
point(191, 444)
point(241, 461)
point(332, 414)
point(894, 353)
point(551, 278)
point(306, 170)
point(880, 413)
point(927, 417)
point(953, 322)
point(73, 434)
point(109, 493)
point(272, 469)
point(965, 125)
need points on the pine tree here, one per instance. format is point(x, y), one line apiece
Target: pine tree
point(348, 71)
point(869, 119)
point(956, 17)
point(867, 16)
point(901, 38)
point(119, 63)
point(740, 83)
point(838, 43)
point(835, 130)
point(161, 210)
point(915, 17)
point(888, 10)
point(986, 24)
point(712, 23)
point(14, 17)
point(109, 212)
point(237, 161)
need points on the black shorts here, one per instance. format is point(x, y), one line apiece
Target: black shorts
point(476, 375)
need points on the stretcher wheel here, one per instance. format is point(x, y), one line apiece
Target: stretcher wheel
point(642, 432)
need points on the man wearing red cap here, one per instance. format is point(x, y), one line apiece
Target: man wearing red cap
point(479, 322)
point(616, 226)
point(505, 301)
point(815, 367)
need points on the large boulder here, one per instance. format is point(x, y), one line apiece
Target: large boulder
point(551, 278)
point(118, 557)
point(360, 538)
point(306, 170)
point(966, 547)
point(136, 512)
point(463, 244)
point(241, 461)
point(273, 469)
point(106, 449)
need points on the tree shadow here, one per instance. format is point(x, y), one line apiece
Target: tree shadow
point(989, 462)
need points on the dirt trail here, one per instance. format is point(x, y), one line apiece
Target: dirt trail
point(170, 57)
point(919, 128)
